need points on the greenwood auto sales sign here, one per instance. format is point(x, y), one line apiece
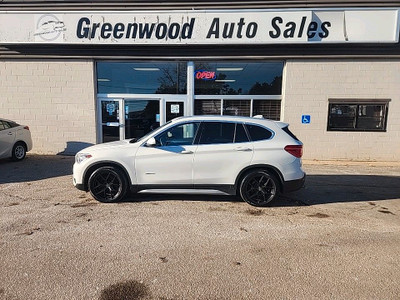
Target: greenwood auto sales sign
point(201, 27)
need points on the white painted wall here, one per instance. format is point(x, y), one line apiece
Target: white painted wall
point(309, 85)
point(57, 100)
point(54, 98)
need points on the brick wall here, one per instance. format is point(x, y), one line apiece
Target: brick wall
point(309, 85)
point(54, 98)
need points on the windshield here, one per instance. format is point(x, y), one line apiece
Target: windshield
point(151, 132)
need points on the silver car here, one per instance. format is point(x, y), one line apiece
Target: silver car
point(15, 140)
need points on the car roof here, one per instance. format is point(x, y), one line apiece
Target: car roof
point(6, 120)
point(255, 120)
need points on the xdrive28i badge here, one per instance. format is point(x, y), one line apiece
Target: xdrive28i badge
point(49, 28)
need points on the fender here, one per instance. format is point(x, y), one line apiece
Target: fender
point(259, 166)
point(93, 166)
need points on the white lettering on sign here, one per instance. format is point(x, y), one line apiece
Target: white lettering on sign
point(202, 27)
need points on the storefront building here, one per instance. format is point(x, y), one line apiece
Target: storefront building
point(80, 74)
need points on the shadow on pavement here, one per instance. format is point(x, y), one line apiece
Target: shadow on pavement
point(320, 189)
point(35, 167)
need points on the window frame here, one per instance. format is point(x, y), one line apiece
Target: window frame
point(358, 103)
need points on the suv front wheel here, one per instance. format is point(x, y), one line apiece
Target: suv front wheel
point(108, 184)
point(259, 188)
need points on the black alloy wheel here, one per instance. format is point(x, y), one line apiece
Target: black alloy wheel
point(259, 188)
point(108, 184)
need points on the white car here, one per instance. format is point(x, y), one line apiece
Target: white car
point(251, 157)
point(15, 140)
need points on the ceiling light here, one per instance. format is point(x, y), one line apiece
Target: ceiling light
point(103, 79)
point(225, 80)
point(146, 69)
point(229, 69)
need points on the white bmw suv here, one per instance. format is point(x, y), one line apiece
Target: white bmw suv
point(253, 158)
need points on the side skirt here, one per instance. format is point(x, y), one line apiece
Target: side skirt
point(226, 188)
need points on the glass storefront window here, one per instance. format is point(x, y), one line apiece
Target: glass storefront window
point(207, 107)
point(237, 107)
point(141, 78)
point(270, 109)
point(353, 116)
point(238, 78)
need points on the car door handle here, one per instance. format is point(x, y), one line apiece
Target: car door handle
point(186, 152)
point(242, 149)
point(10, 133)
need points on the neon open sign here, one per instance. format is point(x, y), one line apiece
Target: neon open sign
point(205, 75)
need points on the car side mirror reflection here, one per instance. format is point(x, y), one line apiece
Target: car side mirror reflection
point(151, 142)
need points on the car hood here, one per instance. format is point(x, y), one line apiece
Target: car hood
point(106, 146)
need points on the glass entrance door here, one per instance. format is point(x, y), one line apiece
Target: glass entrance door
point(127, 118)
point(173, 109)
point(110, 120)
point(141, 117)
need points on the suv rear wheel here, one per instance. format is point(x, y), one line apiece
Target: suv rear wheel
point(108, 184)
point(259, 188)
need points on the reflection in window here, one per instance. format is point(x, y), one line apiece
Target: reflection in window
point(207, 107)
point(269, 109)
point(248, 78)
point(141, 78)
point(178, 135)
point(237, 107)
point(141, 117)
point(358, 116)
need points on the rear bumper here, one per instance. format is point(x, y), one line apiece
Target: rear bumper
point(293, 185)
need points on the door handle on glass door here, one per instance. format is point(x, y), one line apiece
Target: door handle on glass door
point(186, 152)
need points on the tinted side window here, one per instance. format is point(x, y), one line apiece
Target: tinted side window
point(179, 135)
point(217, 133)
point(240, 136)
point(258, 133)
point(1, 126)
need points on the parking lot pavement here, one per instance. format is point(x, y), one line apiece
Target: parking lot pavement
point(338, 238)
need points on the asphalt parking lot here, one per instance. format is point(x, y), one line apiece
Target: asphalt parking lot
point(339, 238)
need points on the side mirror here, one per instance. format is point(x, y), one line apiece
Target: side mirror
point(151, 142)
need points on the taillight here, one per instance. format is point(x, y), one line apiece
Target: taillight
point(295, 150)
point(26, 127)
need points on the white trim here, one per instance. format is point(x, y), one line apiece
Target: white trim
point(177, 97)
point(190, 88)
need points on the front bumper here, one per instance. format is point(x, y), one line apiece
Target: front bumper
point(293, 185)
point(79, 186)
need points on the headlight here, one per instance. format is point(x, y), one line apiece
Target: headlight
point(80, 157)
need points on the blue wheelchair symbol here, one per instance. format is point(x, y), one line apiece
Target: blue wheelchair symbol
point(306, 119)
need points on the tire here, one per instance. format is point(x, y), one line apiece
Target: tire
point(108, 184)
point(259, 188)
point(19, 151)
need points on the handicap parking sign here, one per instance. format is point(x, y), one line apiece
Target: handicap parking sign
point(306, 119)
